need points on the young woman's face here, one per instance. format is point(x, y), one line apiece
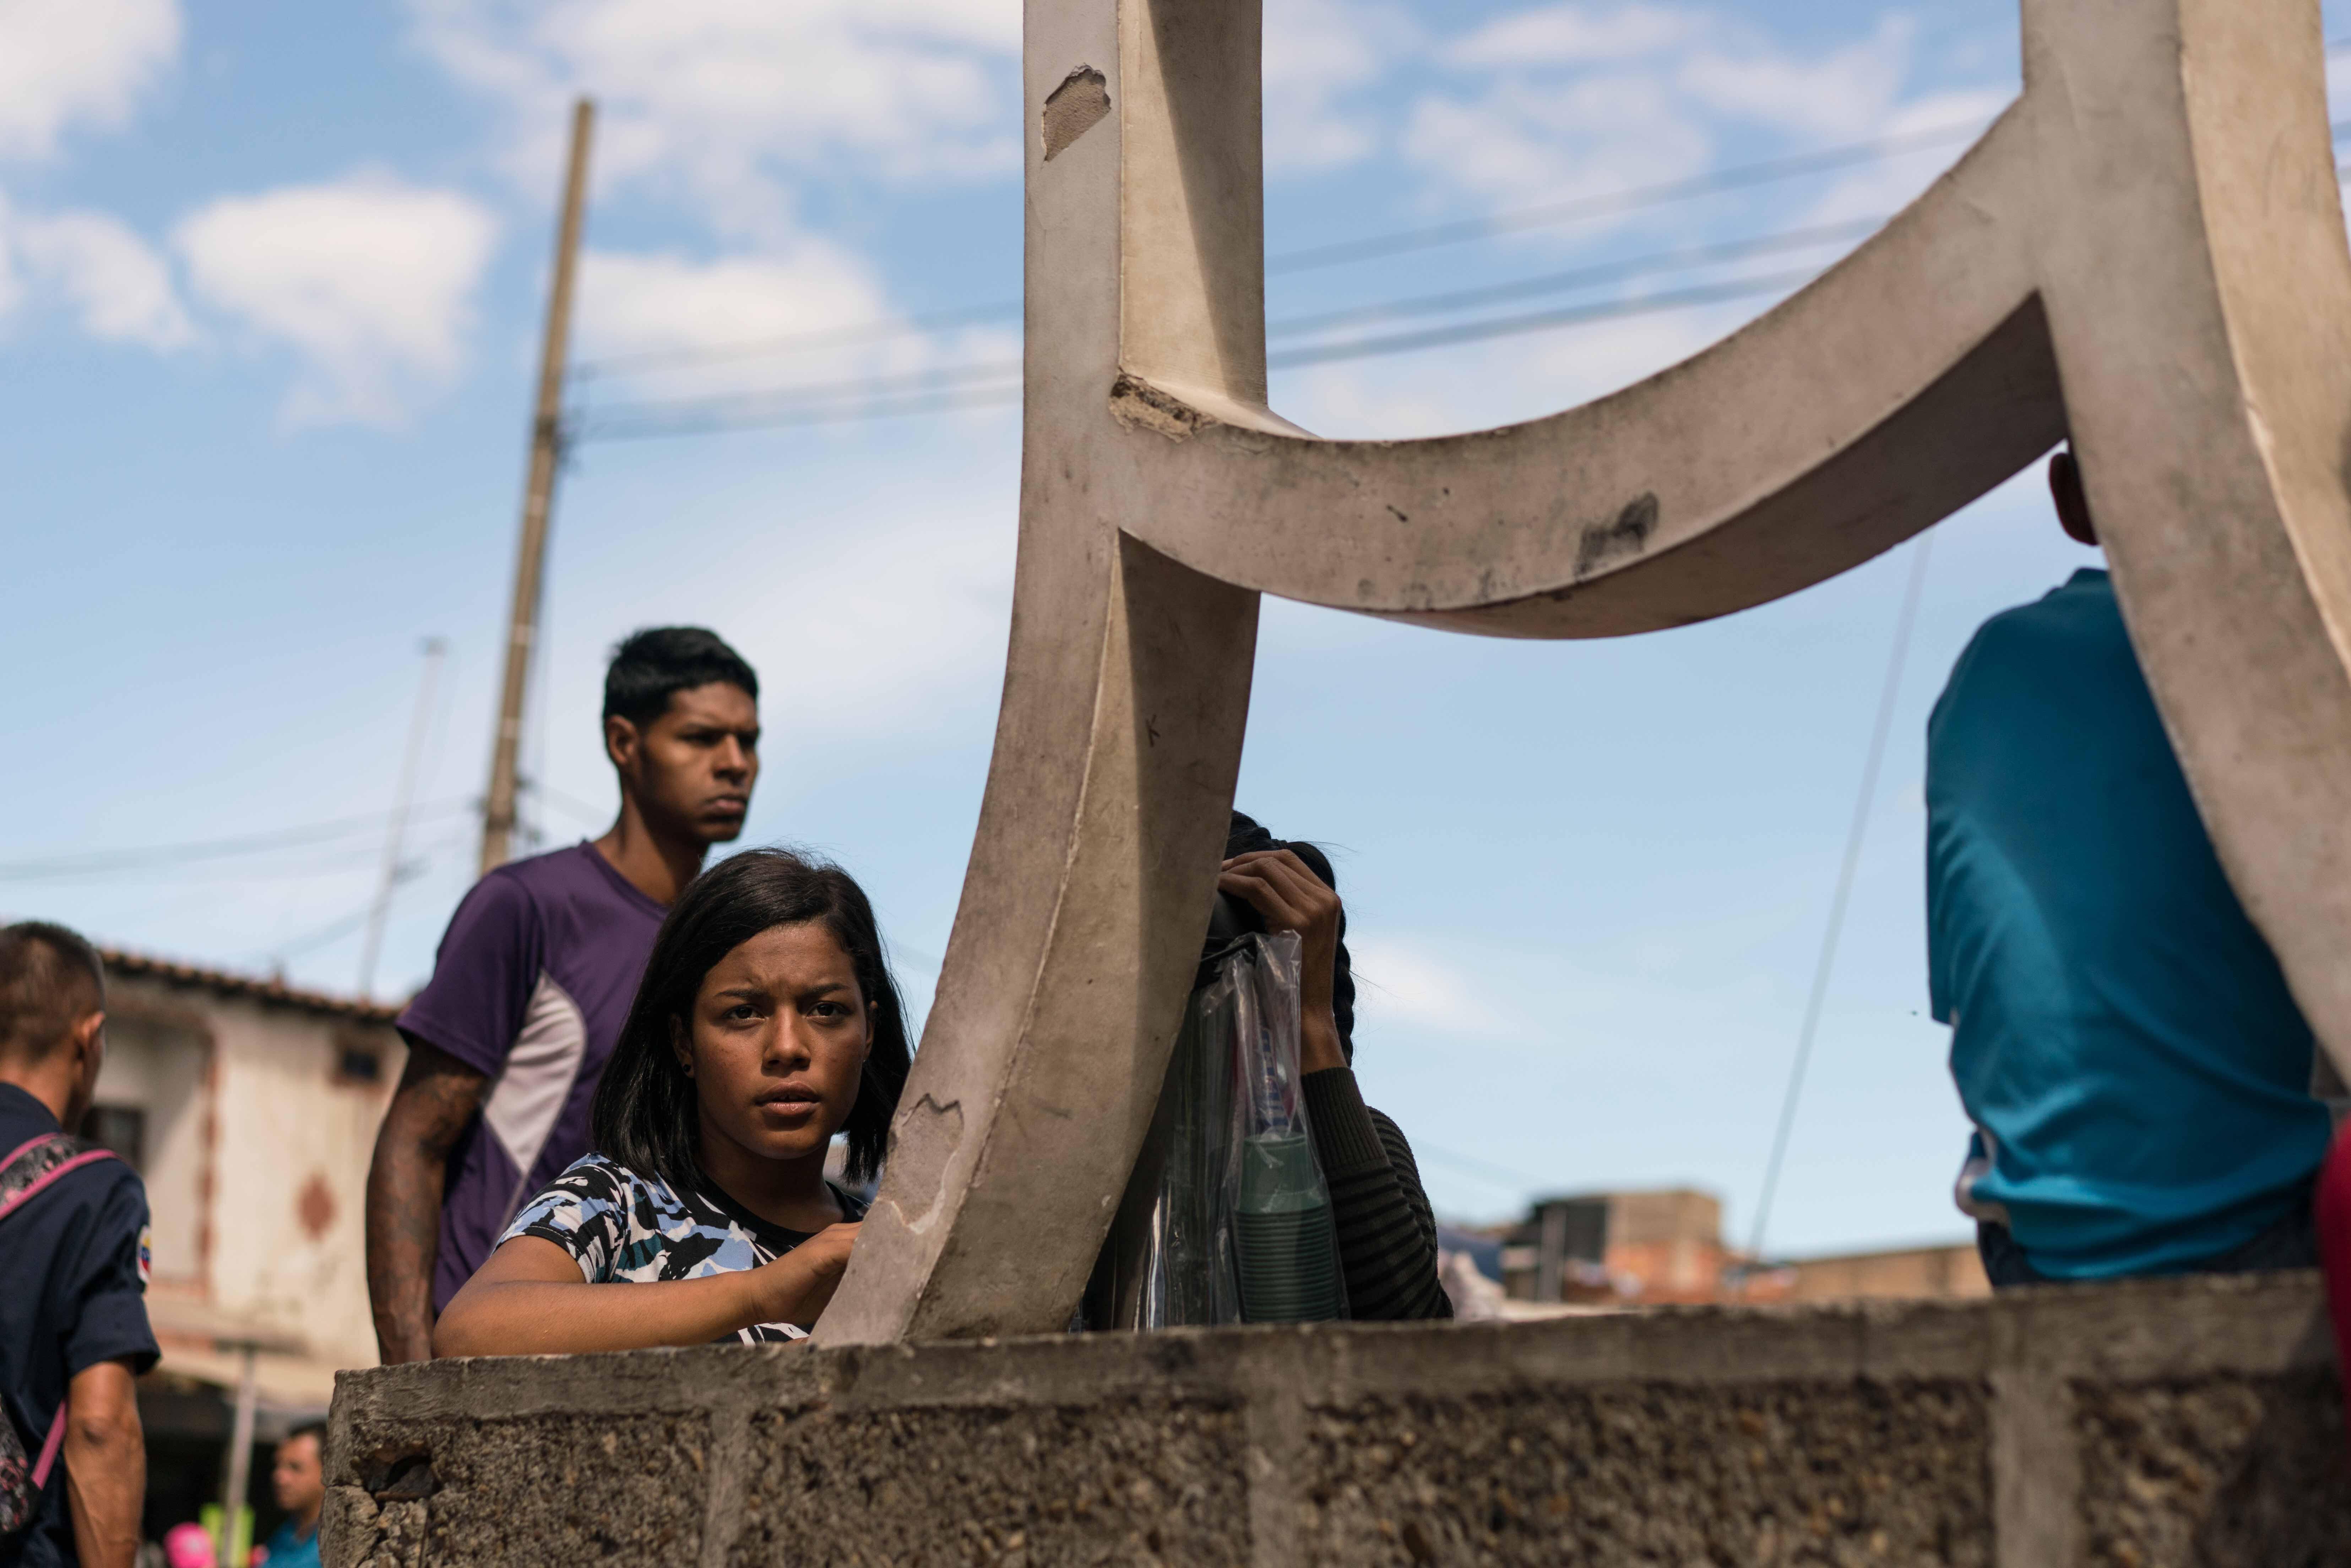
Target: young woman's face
point(777, 1040)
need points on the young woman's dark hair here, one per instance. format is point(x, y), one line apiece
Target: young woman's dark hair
point(644, 1114)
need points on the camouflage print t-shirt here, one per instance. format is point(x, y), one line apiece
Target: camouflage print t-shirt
point(621, 1226)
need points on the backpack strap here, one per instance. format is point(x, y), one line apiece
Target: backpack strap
point(30, 1169)
point(37, 1163)
point(49, 1446)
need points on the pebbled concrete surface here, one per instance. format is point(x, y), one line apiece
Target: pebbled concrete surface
point(1858, 1472)
point(2249, 1472)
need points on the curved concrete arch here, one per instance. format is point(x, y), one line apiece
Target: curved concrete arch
point(2147, 252)
point(1798, 447)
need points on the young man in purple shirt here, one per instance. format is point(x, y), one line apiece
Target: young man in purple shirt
point(536, 974)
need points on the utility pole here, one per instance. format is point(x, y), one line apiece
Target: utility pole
point(537, 496)
point(435, 649)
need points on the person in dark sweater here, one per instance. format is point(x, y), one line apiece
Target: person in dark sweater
point(1387, 1234)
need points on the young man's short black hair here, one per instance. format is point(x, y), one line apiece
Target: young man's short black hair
point(650, 664)
point(49, 977)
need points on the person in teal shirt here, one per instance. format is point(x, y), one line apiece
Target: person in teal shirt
point(299, 1479)
point(2122, 1038)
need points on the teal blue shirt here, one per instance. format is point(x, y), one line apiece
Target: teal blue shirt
point(2122, 1038)
point(287, 1550)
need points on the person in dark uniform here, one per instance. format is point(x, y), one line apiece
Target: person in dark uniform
point(73, 1256)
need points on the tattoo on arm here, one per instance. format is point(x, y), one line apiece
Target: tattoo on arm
point(438, 1097)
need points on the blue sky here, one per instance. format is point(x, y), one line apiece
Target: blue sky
point(269, 285)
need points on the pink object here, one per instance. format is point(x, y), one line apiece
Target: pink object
point(188, 1546)
point(2333, 1214)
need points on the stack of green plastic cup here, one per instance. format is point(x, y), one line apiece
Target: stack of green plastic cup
point(1289, 1251)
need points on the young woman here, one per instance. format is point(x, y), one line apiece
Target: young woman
point(766, 1022)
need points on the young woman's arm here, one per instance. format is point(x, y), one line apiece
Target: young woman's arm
point(528, 1299)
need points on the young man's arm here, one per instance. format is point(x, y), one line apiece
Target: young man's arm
point(105, 1459)
point(437, 1096)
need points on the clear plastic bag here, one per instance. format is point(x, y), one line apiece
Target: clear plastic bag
point(1227, 1219)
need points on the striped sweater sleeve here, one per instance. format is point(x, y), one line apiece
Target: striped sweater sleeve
point(1387, 1234)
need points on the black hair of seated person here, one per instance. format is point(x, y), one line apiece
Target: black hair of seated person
point(1246, 836)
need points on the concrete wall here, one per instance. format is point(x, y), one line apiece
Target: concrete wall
point(2153, 1423)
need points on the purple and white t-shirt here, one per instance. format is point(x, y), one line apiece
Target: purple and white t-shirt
point(534, 979)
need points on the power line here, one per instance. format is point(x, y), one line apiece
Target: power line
point(867, 398)
point(1541, 320)
point(797, 393)
point(1634, 198)
point(719, 419)
point(795, 342)
point(793, 406)
point(1499, 1176)
point(1903, 626)
point(104, 860)
point(1630, 199)
point(1577, 277)
point(345, 924)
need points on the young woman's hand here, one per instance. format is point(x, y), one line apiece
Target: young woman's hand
point(797, 1286)
point(1286, 892)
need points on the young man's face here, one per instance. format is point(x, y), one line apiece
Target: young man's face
point(296, 1476)
point(690, 772)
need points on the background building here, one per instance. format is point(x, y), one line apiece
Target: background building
point(250, 1109)
point(1665, 1247)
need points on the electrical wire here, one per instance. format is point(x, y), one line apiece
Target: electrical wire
point(346, 924)
point(1497, 1176)
point(597, 816)
point(1632, 266)
point(720, 420)
point(889, 397)
point(798, 342)
point(1904, 625)
point(793, 406)
point(1541, 320)
point(797, 393)
point(1630, 199)
point(102, 861)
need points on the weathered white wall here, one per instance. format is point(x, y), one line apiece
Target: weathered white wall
point(158, 1067)
point(291, 1134)
point(257, 1155)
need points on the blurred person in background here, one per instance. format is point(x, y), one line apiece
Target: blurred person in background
point(535, 976)
point(299, 1478)
point(73, 1265)
point(2122, 1037)
point(189, 1545)
point(1386, 1232)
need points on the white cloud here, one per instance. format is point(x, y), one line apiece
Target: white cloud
point(1557, 34)
point(1524, 136)
point(1398, 981)
point(1316, 52)
point(1881, 189)
point(367, 279)
point(1846, 92)
point(68, 61)
point(121, 288)
point(633, 303)
point(725, 102)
